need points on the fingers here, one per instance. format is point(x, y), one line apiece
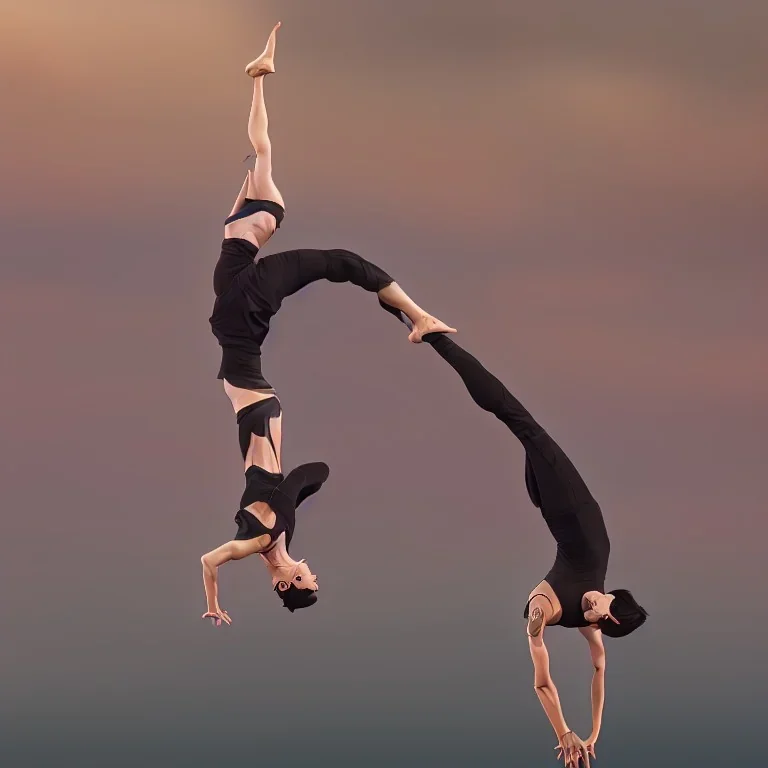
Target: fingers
point(575, 754)
point(217, 617)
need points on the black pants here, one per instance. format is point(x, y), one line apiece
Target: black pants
point(552, 481)
point(282, 274)
point(250, 292)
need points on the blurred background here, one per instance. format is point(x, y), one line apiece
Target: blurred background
point(580, 190)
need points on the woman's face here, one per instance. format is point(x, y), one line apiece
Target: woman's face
point(596, 606)
point(304, 578)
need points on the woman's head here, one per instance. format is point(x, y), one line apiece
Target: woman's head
point(615, 613)
point(297, 588)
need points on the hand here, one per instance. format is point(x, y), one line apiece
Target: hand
point(590, 744)
point(217, 617)
point(571, 749)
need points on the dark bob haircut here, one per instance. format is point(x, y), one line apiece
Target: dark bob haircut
point(294, 598)
point(627, 610)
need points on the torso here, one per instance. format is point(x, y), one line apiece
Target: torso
point(581, 561)
point(256, 518)
point(257, 228)
point(242, 398)
point(267, 517)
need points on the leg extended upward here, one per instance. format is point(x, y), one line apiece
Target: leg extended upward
point(259, 207)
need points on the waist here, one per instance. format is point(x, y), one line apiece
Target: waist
point(242, 367)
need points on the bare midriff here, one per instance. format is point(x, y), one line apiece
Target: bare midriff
point(241, 398)
point(256, 228)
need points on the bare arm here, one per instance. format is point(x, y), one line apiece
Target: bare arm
point(232, 550)
point(571, 746)
point(544, 685)
point(597, 652)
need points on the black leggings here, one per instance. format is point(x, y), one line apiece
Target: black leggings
point(250, 292)
point(282, 274)
point(552, 481)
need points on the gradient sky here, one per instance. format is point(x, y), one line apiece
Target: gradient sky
point(581, 191)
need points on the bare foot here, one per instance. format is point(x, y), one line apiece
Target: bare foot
point(265, 64)
point(428, 324)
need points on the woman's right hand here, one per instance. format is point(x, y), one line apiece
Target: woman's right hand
point(571, 749)
point(217, 617)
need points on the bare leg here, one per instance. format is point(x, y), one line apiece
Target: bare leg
point(421, 322)
point(260, 182)
point(241, 196)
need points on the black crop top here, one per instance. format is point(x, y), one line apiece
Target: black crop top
point(283, 494)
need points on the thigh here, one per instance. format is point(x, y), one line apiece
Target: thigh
point(556, 480)
point(240, 199)
point(259, 182)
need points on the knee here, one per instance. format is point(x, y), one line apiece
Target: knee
point(521, 425)
point(262, 152)
point(491, 399)
point(342, 254)
point(341, 264)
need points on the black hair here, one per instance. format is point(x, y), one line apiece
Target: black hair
point(294, 598)
point(627, 610)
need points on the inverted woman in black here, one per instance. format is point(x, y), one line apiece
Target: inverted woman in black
point(573, 593)
point(249, 292)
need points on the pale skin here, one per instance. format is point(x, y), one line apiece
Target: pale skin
point(257, 229)
point(544, 610)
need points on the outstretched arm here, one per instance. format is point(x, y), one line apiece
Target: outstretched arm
point(232, 550)
point(573, 748)
point(597, 651)
point(544, 685)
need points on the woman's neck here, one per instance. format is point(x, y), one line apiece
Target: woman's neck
point(279, 563)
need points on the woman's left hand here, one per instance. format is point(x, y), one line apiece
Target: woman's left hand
point(571, 749)
point(217, 617)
